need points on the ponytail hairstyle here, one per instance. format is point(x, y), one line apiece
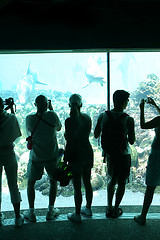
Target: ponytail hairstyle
point(75, 103)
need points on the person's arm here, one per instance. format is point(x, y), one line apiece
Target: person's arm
point(12, 110)
point(98, 130)
point(28, 131)
point(54, 120)
point(11, 105)
point(131, 130)
point(155, 122)
point(59, 125)
point(152, 102)
point(18, 128)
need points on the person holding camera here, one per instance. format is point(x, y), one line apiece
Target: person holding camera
point(9, 132)
point(44, 153)
point(153, 166)
point(79, 155)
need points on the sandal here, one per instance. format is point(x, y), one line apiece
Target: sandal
point(109, 212)
point(117, 213)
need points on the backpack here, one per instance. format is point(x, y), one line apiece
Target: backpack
point(114, 138)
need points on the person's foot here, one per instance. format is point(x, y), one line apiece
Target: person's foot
point(52, 214)
point(109, 212)
point(31, 217)
point(19, 221)
point(117, 212)
point(86, 211)
point(74, 217)
point(1, 219)
point(140, 220)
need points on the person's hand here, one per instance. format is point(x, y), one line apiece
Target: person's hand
point(151, 101)
point(142, 104)
point(50, 107)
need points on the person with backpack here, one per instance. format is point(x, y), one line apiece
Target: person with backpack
point(116, 129)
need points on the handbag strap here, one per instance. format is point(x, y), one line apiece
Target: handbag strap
point(40, 118)
point(35, 125)
point(46, 121)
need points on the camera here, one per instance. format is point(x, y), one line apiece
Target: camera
point(8, 101)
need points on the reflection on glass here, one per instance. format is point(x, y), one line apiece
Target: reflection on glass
point(57, 76)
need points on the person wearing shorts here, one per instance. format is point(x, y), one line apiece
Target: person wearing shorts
point(119, 168)
point(118, 164)
point(44, 154)
point(79, 155)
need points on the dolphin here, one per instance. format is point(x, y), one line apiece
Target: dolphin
point(26, 85)
point(92, 79)
point(93, 71)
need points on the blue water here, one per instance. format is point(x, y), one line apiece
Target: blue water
point(66, 71)
point(60, 71)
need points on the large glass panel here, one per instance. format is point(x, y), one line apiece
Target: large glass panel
point(138, 73)
point(57, 76)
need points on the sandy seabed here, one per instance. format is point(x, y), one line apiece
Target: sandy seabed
point(99, 199)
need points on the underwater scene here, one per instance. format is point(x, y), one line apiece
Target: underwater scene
point(58, 75)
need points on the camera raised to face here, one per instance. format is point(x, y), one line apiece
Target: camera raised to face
point(8, 101)
point(146, 100)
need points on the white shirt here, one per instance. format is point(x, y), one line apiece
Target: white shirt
point(45, 146)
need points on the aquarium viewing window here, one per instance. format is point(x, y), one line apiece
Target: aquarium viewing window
point(95, 76)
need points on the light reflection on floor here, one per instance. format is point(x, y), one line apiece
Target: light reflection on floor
point(96, 216)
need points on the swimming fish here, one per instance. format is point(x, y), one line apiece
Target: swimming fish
point(93, 71)
point(26, 85)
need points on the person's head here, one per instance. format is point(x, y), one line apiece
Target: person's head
point(75, 102)
point(1, 105)
point(120, 99)
point(41, 103)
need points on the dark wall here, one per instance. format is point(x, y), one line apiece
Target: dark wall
point(93, 25)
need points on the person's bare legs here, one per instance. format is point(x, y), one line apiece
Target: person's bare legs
point(147, 200)
point(77, 193)
point(52, 192)
point(110, 194)
point(11, 173)
point(88, 187)
point(31, 193)
point(141, 219)
point(17, 209)
point(119, 195)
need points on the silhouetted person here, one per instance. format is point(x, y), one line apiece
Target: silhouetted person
point(43, 155)
point(79, 154)
point(9, 132)
point(116, 129)
point(153, 166)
